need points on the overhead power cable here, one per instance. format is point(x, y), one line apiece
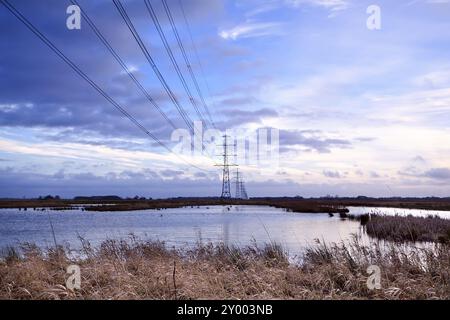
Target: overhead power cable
point(169, 51)
point(122, 63)
point(71, 64)
point(197, 56)
point(152, 63)
point(155, 68)
point(186, 59)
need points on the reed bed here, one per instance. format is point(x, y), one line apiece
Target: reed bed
point(135, 269)
point(409, 228)
point(316, 205)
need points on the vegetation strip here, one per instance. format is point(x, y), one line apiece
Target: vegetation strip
point(295, 204)
point(148, 270)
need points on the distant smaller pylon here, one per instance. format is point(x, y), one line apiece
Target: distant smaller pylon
point(241, 193)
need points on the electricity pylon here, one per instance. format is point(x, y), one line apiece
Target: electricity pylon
point(241, 193)
point(226, 188)
point(238, 187)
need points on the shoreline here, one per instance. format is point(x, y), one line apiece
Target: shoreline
point(299, 205)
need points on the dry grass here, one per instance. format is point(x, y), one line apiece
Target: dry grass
point(318, 205)
point(295, 205)
point(409, 228)
point(148, 270)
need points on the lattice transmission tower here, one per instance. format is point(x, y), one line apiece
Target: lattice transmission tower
point(226, 186)
point(241, 192)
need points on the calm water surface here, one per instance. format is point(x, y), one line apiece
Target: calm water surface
point(399, 211)
point(236, 225)
point(181, 227)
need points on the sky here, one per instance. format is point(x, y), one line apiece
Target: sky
point(356, 111)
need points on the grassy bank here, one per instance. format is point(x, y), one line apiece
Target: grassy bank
point(148, 270)
point(331, 205)
point(409, 228)
point(292, 204)
point(318, 205)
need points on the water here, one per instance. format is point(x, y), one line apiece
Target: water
point(234, 225)
point(181, 227)
point(399, 211)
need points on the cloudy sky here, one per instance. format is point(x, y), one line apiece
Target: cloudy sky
point(359, 111)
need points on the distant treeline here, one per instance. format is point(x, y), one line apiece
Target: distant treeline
point(98, 198)
point(81, 198)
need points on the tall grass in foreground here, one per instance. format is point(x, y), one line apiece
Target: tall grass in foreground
point(148, 270)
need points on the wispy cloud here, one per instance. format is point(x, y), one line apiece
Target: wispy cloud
point(438, 1)
point(434, 79)
point(263, 8)
point(429, 1)
point(251, 29)
point(332, 5)
point(91, 153)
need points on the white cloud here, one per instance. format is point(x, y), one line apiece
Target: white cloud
point(434, 79)
point(414, 107)
point(332, 5)
point(14, 107)
point(95, 154)
point(251, 29)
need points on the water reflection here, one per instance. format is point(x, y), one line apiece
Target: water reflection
point(399, 211)
point(231, 225)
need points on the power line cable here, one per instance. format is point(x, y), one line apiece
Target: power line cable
point(122, 63)
point(152, 63)
point(155, 68)
point(208, 88)
point(172, 58)
point(186, 59)
point(69, 62)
